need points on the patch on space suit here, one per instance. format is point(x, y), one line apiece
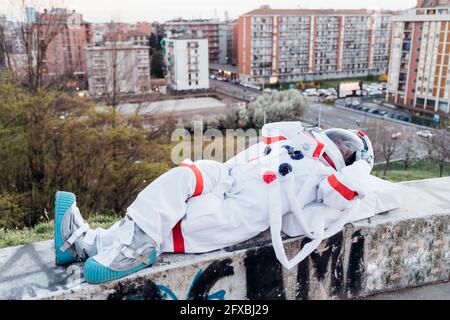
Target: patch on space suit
point(272, 140)
point(342, 189)
point(312, 147)
point(177, 233)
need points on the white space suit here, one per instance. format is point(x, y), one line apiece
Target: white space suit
point(295, 181)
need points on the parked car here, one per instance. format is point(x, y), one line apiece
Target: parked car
point(425, 134)
point(375, 93)
point(405, 118)
point(213, 77)
point(394, 116)
point(396, 136)
point(268, 90)
point(311, 92)
point(332, 91)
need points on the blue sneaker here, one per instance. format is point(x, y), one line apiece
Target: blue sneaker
point(132, 251)
point(97, 273)
point(69, 227)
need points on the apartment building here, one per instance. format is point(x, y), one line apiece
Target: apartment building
point(65, 55)
point(138, 37)
point(234, 42)
point(31, 15)
point(419, 76)
point(277, 45)
point(224, 43)
point(208, 29)
point(120, 67)
point(99, 30)
point(12, 38)
point(187, 63)
point(12, 49)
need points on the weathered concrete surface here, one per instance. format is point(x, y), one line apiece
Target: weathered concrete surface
point(432, 292)
point(405, 248)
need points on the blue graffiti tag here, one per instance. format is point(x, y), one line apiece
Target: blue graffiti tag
point(168, 294)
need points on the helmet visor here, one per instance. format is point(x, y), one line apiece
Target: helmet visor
point(348, 143)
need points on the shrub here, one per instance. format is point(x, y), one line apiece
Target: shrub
point(50, 141)
point(12, 213)
point(278, 106)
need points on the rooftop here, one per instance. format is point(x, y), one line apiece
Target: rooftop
point(193, 21)
point(187, 37)
point(298, 12)
point(137, 33)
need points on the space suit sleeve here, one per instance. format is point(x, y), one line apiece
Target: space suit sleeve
point(340, 189)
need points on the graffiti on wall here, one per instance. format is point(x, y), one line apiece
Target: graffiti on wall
point(144, 289)
point(264, 275)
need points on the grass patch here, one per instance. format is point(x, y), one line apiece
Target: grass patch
point(419, 170)
point(329, 102)
point(44, 231)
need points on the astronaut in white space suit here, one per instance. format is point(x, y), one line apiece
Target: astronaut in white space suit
point(299, 181)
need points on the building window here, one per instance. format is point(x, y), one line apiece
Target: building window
point(190, 83)
point(431, 103)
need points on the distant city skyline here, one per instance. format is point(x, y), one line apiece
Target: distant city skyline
point(144, 10)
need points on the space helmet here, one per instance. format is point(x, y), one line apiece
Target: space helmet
point(345, 147)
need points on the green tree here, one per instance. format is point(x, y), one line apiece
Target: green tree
point(383, 78)
point(50, 141)
point(300, 86)
point(157, 67)
point(278, 106)
point(154, 42)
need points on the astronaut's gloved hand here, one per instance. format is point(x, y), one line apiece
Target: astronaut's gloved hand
point(366, 156)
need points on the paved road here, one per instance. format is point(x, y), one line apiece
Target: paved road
point(234, 90)
point(330, 116)
point(433, 292)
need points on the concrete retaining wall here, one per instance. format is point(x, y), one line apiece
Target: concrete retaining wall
point(408, 247)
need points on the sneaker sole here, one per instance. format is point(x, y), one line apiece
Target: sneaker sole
point(96, 273)
point(63, 202)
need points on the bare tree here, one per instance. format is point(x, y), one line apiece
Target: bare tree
point(4, 52)
point(387, 145)
point(36, 37)
point(439, 148)
point(115, 70)
point(409, 149)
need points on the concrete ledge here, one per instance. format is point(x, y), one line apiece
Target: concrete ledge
point(405, 248)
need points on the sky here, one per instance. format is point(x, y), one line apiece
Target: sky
point(163, 10)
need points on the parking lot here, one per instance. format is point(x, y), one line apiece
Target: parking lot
point(376, 109)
